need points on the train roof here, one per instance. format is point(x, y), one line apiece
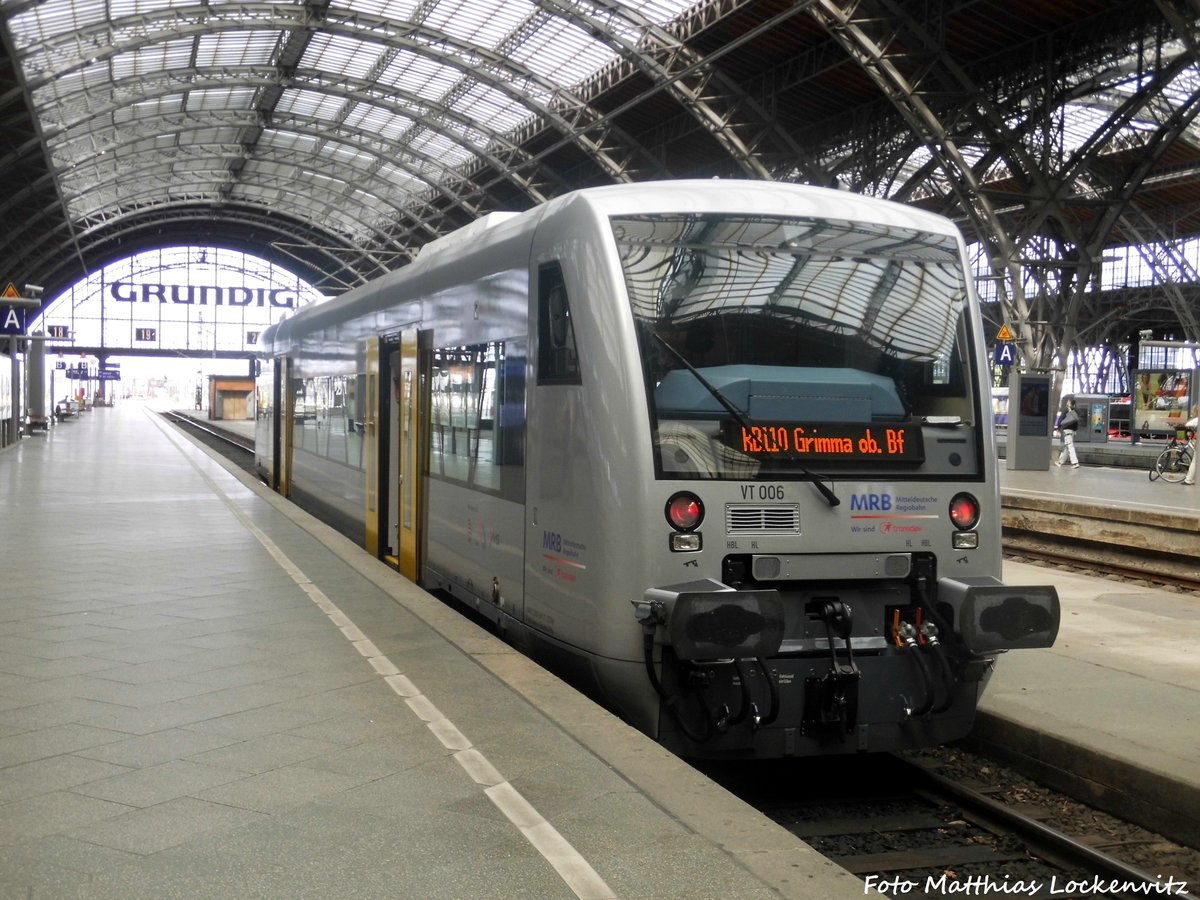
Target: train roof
point(746, 197)
point(750, 197)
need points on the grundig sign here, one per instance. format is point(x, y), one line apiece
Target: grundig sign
point(202, 295)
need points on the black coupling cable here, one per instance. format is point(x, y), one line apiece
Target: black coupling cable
point(648, 655)
point(747, 700)
point(908, 634)
point(773, 714)
point(930, 632)
point(671, 701)
point(924, 600)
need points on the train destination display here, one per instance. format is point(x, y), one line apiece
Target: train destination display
point(894, 442)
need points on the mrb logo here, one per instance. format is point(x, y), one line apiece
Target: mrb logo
point(873, 502)
point(552, 541)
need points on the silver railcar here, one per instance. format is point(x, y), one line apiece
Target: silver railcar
point(721, 449)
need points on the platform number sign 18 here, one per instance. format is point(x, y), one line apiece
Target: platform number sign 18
point(146, 334)
point(59, 332)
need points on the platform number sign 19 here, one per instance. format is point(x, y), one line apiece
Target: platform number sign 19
point(146, 334)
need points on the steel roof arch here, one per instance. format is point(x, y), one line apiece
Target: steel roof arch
point(286, 235)
point(323, 129)
point(470, 59)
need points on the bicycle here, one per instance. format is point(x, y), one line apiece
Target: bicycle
point(1173, 463)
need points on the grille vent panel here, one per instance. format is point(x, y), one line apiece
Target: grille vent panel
point(746, 519)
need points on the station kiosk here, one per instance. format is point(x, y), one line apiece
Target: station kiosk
point(1030, 421)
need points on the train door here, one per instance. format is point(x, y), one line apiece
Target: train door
point(410, 381)
point(285, 403)
point(267, 425)
point(372, 456)
point(389, 353)
point(266, 420)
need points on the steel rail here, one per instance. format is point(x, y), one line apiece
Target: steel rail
point(242, 443)
point(1042, 840)
point(1044, 550)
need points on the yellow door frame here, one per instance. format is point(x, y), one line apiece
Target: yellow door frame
point(411, 465)
point(371, 455)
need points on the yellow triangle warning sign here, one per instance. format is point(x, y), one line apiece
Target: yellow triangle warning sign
point(11, 292)
point(1005, 333)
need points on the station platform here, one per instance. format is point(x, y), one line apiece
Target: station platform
point(1111, 713)
point(204, 692)
point(1108, 513)
point(1121, 723)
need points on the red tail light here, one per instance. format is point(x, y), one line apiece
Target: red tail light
point(685, 512)
point(964, 511)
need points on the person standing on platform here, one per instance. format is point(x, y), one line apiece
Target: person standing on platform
point(1068, 427)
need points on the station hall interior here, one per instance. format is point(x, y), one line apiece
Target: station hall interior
point(334, 140)
point(187, 180)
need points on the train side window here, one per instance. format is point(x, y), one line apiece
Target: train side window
point(477, 416)
point(558, 362)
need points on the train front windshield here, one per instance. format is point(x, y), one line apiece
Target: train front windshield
point(771, 346)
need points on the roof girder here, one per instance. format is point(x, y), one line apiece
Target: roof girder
point(909, 65)
point(738, 123)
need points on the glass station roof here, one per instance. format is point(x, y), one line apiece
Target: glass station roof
point(146, 103)
point(344, 134)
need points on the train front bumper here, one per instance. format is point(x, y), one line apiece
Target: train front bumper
point(707, 620)
point(994, 616)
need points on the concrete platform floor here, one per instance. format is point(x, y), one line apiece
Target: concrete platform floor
point(206, 693)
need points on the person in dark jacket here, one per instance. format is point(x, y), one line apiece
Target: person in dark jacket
point(1068, 426)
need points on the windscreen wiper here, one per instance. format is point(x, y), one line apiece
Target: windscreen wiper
point(743, 419)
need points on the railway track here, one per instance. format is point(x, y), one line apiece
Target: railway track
point(236, 448)
point(1130, 565)
point(909, 832)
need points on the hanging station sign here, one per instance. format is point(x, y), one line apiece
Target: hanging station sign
point(202, 295)
point(201, 301)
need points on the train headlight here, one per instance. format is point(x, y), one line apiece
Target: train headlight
point(964, 512)
point(685, 541)
point(685, 512)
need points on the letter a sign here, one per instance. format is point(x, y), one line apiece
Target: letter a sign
point(12, 320)
point(1006, 353)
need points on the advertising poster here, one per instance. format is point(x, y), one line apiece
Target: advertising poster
point(1161, 401)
